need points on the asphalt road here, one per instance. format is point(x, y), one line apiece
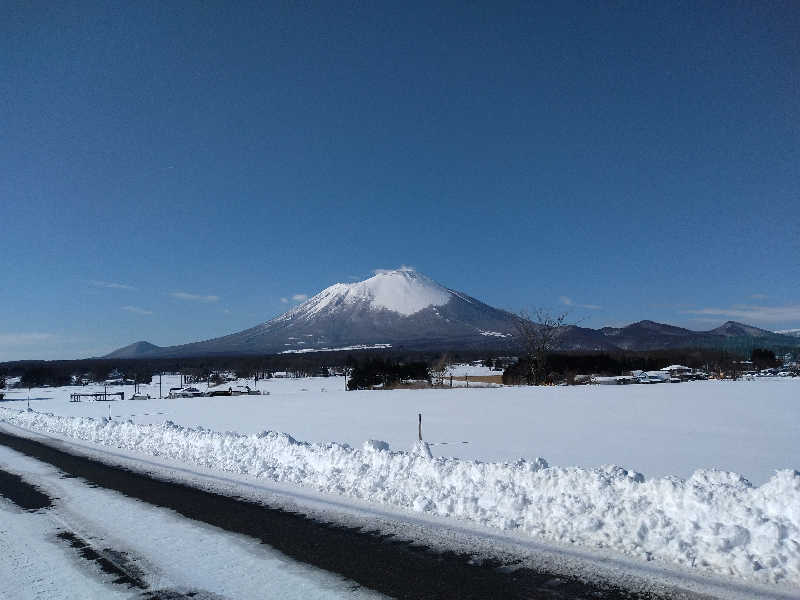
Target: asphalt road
point(394, 568)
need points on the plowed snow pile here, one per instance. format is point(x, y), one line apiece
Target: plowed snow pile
point(715, 520)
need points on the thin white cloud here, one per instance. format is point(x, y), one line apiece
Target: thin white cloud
point(22, 339)
point(111, 285)
point(752, 313)
point(226, 311)
point(194, 297)
point(285, 300)
point(300, 297)
point(137, 310)
point(567, 301)
point(759, 296)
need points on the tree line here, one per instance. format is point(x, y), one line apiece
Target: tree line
point(378, 367)
point(386, 373)
point(563, 366)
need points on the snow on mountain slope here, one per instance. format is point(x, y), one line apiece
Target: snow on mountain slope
point(790, 332)
point(403, 291)
point(399, 307)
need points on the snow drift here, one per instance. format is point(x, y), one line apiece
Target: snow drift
point(715, 520)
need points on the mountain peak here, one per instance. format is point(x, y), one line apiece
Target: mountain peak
point(403, 291)
point(133, 350)
point(735, 329)
point(658, 327)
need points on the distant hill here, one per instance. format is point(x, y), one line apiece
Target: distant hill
point(406, 309)
point(734, 329)
point(790, 332)
point(135, 350)
point(649, 335)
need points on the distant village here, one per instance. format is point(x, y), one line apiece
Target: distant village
point(744, 369)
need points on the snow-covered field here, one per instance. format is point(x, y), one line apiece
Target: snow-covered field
point(713, 520)
point(750, 427)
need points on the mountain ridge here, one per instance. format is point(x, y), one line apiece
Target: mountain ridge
point(403, 308)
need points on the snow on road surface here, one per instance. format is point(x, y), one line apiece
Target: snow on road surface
point(715, 521)
point(33, 566)
point(172, 553)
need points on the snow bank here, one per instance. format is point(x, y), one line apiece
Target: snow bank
point(715, 520)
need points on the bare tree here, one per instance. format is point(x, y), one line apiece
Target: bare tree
point(439, 369)
point(537, 335)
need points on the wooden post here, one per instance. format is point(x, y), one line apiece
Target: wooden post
point(420, 427)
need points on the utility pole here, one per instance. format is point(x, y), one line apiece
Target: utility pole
point(420, 427)
point(159, 385)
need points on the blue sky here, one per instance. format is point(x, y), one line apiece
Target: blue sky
point(171, 172)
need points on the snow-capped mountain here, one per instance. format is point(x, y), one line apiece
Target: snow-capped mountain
point(405, 309)
point(403, 291)
point(399, 308)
